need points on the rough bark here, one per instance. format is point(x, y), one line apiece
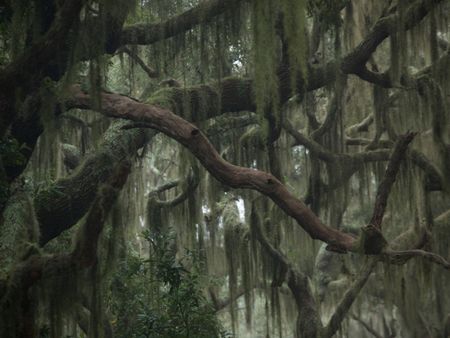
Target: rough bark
point(63, 203)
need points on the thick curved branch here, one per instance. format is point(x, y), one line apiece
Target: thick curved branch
point(62, 204)
point(165, 121)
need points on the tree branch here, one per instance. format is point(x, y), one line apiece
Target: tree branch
point(400, 256)
point(146, 34)
point(354, 62)
point(348, 298)
point(134, 56)
point(386, 184)
point(60, 205)
point(367, 327)
point(165, 121)
point(189, 186)
point(84, 255)
point(308, 319)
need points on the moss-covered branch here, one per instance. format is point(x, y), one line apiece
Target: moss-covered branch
point(61, 205)
point(38, 267)
point(400, 256)
point(146, 34)
point(355, 61)
point(352, 162)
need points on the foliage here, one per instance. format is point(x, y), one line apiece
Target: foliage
point(10, 152)
point(161, 297)
point(322, 121)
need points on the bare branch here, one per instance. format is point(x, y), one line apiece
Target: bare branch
point(386, 184)
point(234, 176)
point(363, 126)
point(134, 56)
point(349, 297)
point(395, 256)
point(189, 186)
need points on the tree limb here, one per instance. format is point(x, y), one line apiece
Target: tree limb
point(349, 297)
point(386, 184)
point(61, 204)
point(146, 34)
point(84, 255)
point(165, 121)
point(134, 56)
point(400, 256)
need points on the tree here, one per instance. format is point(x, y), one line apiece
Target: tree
point(295, 123)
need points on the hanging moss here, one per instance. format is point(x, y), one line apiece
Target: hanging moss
point(265, 58)
point(232, 243)
point(294, 23)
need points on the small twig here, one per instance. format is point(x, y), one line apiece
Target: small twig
point(164, 187)
point(152, 73)
point(189, 186)
point(362, 126)
point(403, 255)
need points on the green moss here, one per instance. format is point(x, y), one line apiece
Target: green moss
point(265, 55)
point(294, 23)
point(195, 103)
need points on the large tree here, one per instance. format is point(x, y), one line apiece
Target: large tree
point(311, 158)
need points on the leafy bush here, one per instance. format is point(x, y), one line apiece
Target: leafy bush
point(159, 297)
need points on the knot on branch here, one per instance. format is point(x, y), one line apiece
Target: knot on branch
point(372, 241)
